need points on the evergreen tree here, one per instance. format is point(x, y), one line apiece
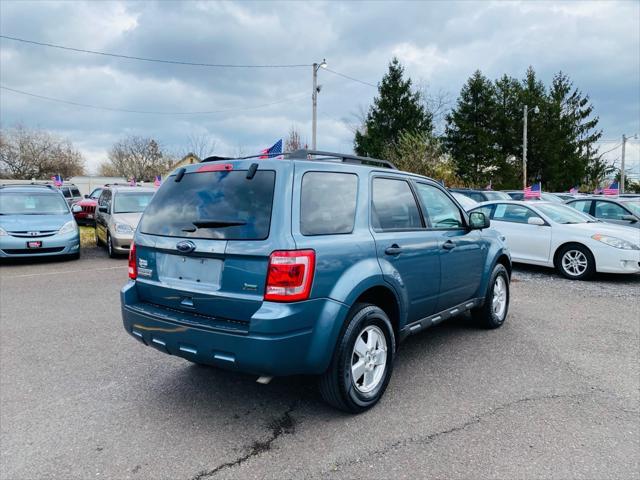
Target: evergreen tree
point(470, 131)
point(508, 133)
point(396, 109)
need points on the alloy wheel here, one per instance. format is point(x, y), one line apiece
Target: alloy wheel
point(369, 359)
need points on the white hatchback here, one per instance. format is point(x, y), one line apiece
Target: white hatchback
point(554, 235)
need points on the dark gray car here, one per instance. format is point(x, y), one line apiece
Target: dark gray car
point(620, 210)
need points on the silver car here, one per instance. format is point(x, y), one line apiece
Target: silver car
point(117, 215)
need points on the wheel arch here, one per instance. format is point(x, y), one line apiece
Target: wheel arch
point(559, 248)
point(385, 298)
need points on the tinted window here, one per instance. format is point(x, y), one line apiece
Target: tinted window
point(131, 202)
point(394, 206)
point(440, 209)
point(478, 197)
point(609, 211)
point(75, 192)
point(328, 203)
point(66, 193)
point(27, 203)
point(516, 195)
point(582, 206)
point(496, 195)
point(215, 205)
point(513, 213)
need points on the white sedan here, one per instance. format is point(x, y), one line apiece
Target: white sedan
point(554, 235)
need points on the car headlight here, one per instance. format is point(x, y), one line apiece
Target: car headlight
point(123, 228)
point(70, 226)
point(615, 242)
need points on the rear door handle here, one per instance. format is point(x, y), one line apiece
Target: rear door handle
point(448, 245)
point(393, 250)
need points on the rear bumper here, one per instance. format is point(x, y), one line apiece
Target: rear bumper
point(292, 338)
point(16, 247)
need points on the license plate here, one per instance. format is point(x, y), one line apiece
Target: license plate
point(34, 244)
point(174, 269)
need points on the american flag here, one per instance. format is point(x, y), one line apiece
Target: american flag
point(613, 189)
point(132, 182)
point(597, 191)
point(57, 180)
point(158, 180)
point(275, 151)
point(573, 190)
point(533, 191)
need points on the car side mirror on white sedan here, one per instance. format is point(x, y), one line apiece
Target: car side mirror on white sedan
point(76, 209)
point(535, 221)
point(630, 218)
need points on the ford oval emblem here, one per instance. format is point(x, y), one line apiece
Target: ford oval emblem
point(186, 246)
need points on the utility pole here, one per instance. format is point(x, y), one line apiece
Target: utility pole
point(314, 99)
point(524, 149)
point(624, 141)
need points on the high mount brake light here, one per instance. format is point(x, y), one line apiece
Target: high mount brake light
point(290, 275)
point(133, 265)
point(215, 167)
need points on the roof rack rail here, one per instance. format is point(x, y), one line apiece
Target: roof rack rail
point(27, 184)
point(317, 155)
point(314, 155)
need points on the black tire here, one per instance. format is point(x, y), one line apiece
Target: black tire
point(336, 384)
point(579, 252)
point(110, 251)
point(98, 241)
point(74, 256)
point(486, 316)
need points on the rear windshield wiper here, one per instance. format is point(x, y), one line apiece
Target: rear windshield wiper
point(213, 224)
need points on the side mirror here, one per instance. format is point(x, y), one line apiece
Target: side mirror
point(76, 209)
point(86, 195)
point(630, 218)
point(535, 221)
point(478, 221)
point(103, 209)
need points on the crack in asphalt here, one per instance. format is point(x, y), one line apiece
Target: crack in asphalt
point(285, 424)
point(476, 419)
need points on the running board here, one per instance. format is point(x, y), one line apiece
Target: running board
point(437, 318)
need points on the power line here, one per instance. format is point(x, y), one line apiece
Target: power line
point(350, 78)
point(612, 149)
point(150, 112)
point(154, 60)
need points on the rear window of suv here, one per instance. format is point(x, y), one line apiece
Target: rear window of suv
point(223, 205)
point(328, 203)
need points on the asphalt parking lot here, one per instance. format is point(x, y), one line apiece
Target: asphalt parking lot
point(553, 394)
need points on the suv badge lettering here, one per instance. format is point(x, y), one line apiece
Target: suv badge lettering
point(186, 246)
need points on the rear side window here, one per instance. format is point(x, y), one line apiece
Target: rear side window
point(512, 213)
point(75, 192)
point(328, 203)
point(213, 205)
point(66, 193)
point(582, 205)
point(394, 206)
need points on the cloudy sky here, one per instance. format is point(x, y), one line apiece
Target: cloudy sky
point(440, 44)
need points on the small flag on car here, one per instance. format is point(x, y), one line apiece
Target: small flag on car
point(597, 191)
point(613, 189)
point(157, 181)
point(275, 151)
point(533, 191)
point(57, 180)
point(132, 182)
point(573, 190)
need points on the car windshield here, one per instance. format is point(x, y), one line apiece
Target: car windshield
point(131, 202)
point(32, 203)
point(633, 205)
point(96, 193)
point(564, 214)
point(496, 195)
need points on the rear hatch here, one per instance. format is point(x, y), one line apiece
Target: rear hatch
point(204, 241)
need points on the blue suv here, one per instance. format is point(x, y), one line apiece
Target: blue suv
point(318, 263)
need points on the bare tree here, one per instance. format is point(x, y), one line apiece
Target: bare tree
point(137, 157)
point(27, 153)
point(201, 145)
point(294, 141)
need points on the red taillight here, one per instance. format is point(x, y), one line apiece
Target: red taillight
point(290, 275)
point(133, 267)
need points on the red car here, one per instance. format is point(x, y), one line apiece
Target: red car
point(84, 211)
